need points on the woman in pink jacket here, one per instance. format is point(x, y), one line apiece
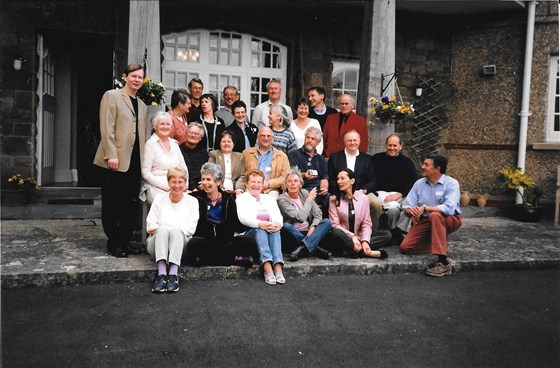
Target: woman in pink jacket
point(351, 221)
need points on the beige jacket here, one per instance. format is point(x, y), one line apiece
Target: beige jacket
point(278, 171)
point(117, 123)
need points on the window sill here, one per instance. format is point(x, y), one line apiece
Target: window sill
point(548, 146)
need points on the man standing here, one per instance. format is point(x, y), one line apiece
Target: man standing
point(230, 95)
point(318, 110)
point(260, 114)
point(194, 153)
point(122, 121)
point(433, 205)
point(394, 174)
point(195, 89)
point(271, 161)
point(359, 162)
point(337, 125)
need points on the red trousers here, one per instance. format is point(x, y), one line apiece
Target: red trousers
point(430, 234)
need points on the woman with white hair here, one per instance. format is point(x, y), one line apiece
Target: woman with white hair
point(160, 154)
point(284, 139)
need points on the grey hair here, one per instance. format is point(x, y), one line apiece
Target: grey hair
point(197, 124)
point(159, 116)
point(231, 87)
point(273, 81)
point(317, 132)
point(212, 169)
point(294, 171)
point(286, 120)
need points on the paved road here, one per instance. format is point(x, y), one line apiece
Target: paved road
point(472, 319)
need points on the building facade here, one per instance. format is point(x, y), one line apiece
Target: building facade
point(59, 57)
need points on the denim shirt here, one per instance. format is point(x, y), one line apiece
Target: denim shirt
point(265, 162)
point(444, 195)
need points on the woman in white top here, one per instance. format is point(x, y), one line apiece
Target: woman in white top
point(160, 154)
point(302, 122)
point(231, 163)
point(260, 212)
point(171, 223)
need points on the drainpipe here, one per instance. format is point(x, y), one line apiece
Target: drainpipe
point(526, 92)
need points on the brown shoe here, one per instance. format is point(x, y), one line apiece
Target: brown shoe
point(440, 269)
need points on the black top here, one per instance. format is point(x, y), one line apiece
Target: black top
point(194, 158)
point(393, 174)
point(321, 118)
point(305, 162)
point(238, 137)
point(365, 177)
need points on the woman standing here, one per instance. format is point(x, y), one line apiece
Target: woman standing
point(302, 122)
point(231, 164)
point(260, 212)
point(171, 223)
point(214, 242)
point(284, 139)
point(160, 154)
point(244, 133)
point(122, 121)
point(180, 105)
point(351, 221)
point(212, 125)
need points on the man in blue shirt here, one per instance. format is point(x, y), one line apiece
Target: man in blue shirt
point(433, 205)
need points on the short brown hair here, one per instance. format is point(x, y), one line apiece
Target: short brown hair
point(254, 172)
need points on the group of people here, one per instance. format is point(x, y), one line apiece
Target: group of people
point(224, 189)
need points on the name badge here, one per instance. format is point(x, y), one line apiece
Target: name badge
point(439, 193)
point(267, 169)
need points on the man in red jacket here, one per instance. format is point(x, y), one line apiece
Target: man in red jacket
point(337, 125)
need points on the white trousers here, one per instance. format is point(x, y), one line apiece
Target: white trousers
point(168, 244)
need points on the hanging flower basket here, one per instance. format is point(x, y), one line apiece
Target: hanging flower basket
point(389, 110)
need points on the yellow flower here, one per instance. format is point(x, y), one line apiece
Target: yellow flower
point(154, 103)
point(146, 80)
point(394, 98)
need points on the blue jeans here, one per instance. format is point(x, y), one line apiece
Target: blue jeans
point(311, 242)
point(269, 244)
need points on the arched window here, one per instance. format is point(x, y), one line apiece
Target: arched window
point(345, 78)
point(221, 58)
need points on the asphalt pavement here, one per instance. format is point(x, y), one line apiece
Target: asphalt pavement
point(470, 319)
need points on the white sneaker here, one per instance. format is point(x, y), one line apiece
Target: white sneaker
point(280, 278)
point(270, 279)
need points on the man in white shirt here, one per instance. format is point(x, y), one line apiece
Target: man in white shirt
point(260, 114)
point(359, 162)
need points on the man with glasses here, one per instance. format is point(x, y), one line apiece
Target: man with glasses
point(337, 125)
point(230, 95)
point(195, 154)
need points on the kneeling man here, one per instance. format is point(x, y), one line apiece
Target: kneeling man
point(433, 204)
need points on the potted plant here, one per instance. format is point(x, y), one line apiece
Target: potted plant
point(529, 210)
point(18, 190)
point(390, 110)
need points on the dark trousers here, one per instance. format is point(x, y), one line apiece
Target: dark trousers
point(204, 252)
point(119, 205)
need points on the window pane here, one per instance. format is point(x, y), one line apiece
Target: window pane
point(182, 40)
point(213, 57)
point(255, 61)
point(213, 82)
point(169, 53)
point(236, 81)
point(235, 59)
point(169, 78)
point(337, 80)
point(224, 58)
point(182, 80)
point(223, 81)
point(351, 79)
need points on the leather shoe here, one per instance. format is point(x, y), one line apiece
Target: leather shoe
point(397, 236)
point(242, 261)
point(298, 253)
point(117, 251)
point(134, 248)
point(322, 253)
point(383, 254)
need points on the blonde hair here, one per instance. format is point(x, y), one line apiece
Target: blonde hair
point(177, 172)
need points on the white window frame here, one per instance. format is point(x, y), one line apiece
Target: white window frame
point(201, 68)
point(553, 100)
point(343, 66)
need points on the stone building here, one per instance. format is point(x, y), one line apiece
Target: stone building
point(468, 58)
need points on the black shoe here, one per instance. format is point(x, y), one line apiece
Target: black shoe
point(172, 284)
point(134, 248)
point(160, 284)
point(397, 236)
point(322, 253)
point(117, 251)
point(383, 254)
point(245, 262)
point(300, 252)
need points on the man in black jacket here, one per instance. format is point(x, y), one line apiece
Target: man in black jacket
point(359, 162)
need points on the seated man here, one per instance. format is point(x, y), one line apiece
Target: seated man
point(433, 205)
point(312, 166)
point(360, 163)
point(303, 220)
point(394, 174)
point(271, 161)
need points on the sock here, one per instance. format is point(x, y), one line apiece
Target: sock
point(443, 259)
point(173, 269)
point(162, 267)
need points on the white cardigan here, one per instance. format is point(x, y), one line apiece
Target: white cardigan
point(247, 209)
